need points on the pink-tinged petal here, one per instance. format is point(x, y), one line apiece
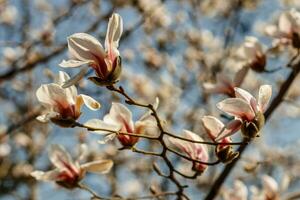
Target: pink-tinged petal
point(99, 166)
point(240, 76)
point(74, 63)
point(85, 47)
point(199, 151)
point(212, 125)
point(180, 144)
point(46, 176)
point(61, 159)
point(229, 129)
point(237, 107)
point(120, 115)
point(264, 96)
point(270, 185)
point(243, 94)
point(113, 35)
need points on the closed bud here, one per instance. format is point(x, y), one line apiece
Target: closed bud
point(225, 154)
point(249, 130)
point(259, 63)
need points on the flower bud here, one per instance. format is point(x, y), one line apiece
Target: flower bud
point(112, 78)
point(225, 154)
point(259, 63)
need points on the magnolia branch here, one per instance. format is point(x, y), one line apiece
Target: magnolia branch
point(295, 69)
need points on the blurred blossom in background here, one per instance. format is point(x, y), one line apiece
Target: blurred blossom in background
point(188, 53)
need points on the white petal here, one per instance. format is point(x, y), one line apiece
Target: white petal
point(240, 189)
point(236, 107)
point(107, 138)
point(71, 92)
point(119, 114)
point(272, 31)
point(85, 47)
point(76, 78)
point(147, 116)
point(46, 117)
point(264, 96)
point(270, 185)
point(114, 31)
point(60, 157)
point(83, 151)
point(285, 23)
point(50, 93)
point(74, 63)
point(99, 166)
point(212, 125)
point(90, 102)
point(43, 118)
point(253, 42)
point(46, 176)
point(99, 124)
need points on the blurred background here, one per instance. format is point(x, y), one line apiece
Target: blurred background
point(169, 49)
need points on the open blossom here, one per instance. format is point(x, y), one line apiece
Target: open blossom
point(87, 50)
point(225, 85)
point(288, 29)
point(68, 172)
point(119, 119)
point(247, 110)
point(213, 128)
point(195, 151)
point(238, 192)
point(62, 105)
point(270, 190)
point(253, 54)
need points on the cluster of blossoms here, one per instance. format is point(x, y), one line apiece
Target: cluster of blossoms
point(270, 190)
point(63, 107)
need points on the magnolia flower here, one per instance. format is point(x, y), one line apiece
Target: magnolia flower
point(288, 29)
point(247, 110)
point(225, 85)
point(195, 151)
point(238, 192)
point(69, 172)
point(62, 105)
point(213, 128)
point(253, 54)
point(119, 119)
point(87, 50)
